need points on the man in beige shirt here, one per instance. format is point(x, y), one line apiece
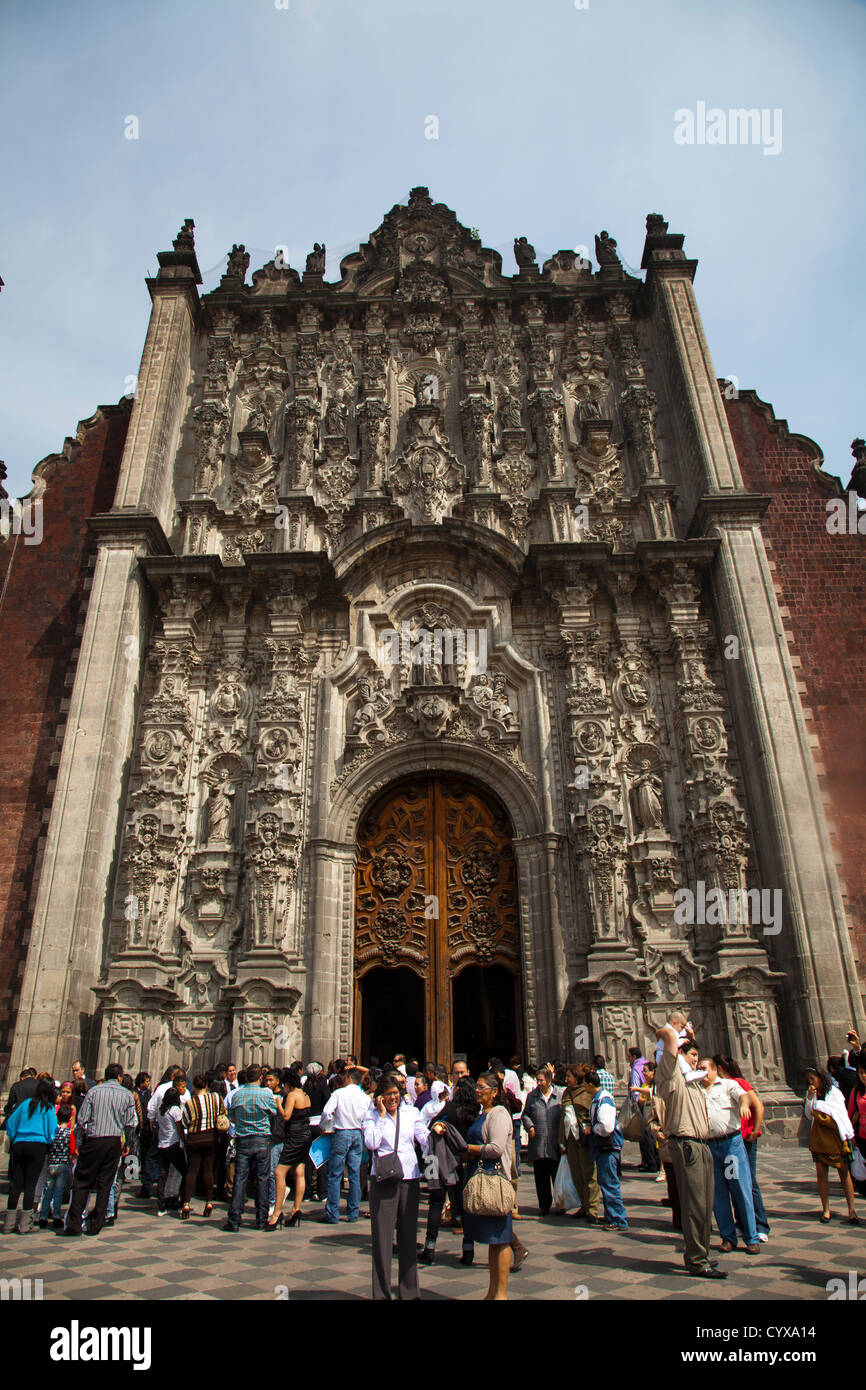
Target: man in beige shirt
point(688, 1131)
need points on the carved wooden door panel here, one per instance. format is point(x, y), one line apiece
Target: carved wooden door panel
point(436, 891)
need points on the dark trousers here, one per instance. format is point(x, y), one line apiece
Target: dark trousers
point(649, 1154)
point(317, 1178)
point(673, 1196)
point(25, 1166)
point(249, 1148)
point(693, 1165)
point(395, 1207)
point(96, 1167)
point(172, 1157)
point(544, 1171)
point(150, 1161)
point(200, 1149)
point(438, 1198)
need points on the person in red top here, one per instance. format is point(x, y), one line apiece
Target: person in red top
point(857, 1113)
point(750, 1125)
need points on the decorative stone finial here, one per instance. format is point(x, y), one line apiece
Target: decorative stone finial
point(605, 250)
point(524, 254)
point(185, 239)
point(239, 259)
point(316, 259)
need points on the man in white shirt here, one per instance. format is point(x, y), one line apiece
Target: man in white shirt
point(344, 1115)
point(232, 1082)
point(727, 1104)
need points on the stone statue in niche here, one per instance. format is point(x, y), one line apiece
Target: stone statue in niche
point(337, 415)
point(219, 808)
point(375, 699)
point(648, 790)
point(509, 410)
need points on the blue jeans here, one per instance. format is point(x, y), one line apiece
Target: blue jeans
point(347, 1149)
point(762, 1221)
point(517, 1128)
point(115, 1190)
point(249, 1147)
point(52, 1192)
point(733, 1183)
point(276, 1150)
point(607, 1173)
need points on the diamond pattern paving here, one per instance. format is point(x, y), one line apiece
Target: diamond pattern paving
point(145, 1258)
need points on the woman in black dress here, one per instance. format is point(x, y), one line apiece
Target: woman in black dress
point(295, 1110)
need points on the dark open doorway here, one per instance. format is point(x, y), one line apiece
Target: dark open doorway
point(486, 1014)
point(392, 1014)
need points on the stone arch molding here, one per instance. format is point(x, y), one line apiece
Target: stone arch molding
point(351, 799)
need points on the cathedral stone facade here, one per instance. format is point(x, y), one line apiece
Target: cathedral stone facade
point(431, 651)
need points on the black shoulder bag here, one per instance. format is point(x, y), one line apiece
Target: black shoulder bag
point(389, 1169)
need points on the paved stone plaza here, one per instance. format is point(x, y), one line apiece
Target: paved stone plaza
point(143, 1257)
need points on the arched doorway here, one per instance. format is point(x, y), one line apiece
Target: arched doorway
point(436, 899)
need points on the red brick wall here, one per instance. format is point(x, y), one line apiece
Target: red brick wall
point(41, 620)
point(821, 583)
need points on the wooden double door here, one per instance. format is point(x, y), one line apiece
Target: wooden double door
point(437, 934)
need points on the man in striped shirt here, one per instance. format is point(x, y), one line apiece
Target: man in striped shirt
point(106, 1117)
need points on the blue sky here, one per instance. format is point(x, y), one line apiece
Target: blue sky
point(288, 126)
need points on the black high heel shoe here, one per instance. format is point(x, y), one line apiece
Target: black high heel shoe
point(294, 1219)
point(208, 1209)
point(273, 1225)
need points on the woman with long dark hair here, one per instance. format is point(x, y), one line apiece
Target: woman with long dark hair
point(460, 1111)
point(751, 1130)
point(171, 1149)
point(30, 1129)
point(200, 1129)
point(829, 1140)
point(316, 1087)
point(489, 1142)
point(295, 1109)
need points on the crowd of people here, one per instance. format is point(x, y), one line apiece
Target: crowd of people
point(377, 1133)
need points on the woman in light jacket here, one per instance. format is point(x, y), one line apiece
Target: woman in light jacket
point(829, 1140)
point(488, 1142)
point(394, 1203)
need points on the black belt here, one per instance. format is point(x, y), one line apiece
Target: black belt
point(689, 1138)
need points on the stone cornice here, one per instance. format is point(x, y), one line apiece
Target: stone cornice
point(735, 508)
point(129, 527)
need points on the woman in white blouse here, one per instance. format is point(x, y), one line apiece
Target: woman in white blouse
point(394, 1128)
point(829, 1141)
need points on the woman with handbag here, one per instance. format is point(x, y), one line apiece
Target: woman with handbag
point(391, 1131)
point(204, 1116)
point(487, 1207)
point(829, 1139)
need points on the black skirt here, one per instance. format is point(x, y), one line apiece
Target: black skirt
point(297, 1142)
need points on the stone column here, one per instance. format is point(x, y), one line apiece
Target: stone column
point(56, 1015)
point(792, 838)
point(329, 1013)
